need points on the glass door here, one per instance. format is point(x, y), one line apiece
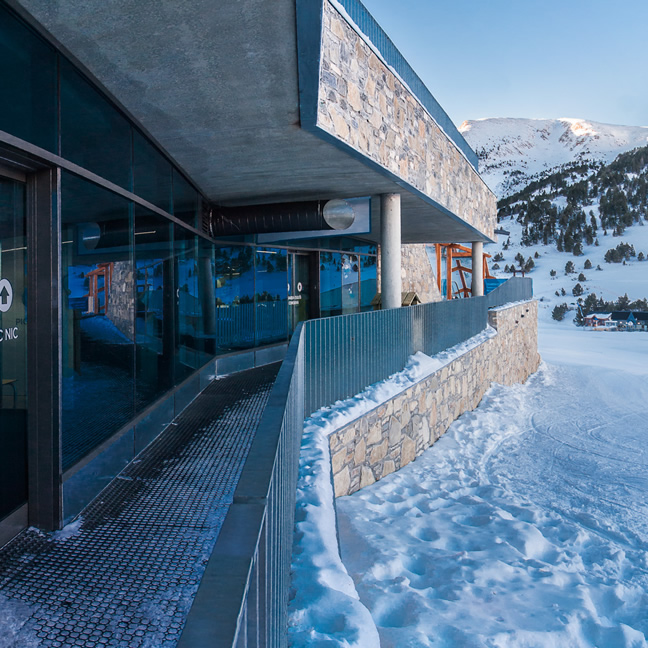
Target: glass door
point(13, 347)
point(298, 289)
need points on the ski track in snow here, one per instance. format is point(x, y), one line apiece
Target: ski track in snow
point(525, 525)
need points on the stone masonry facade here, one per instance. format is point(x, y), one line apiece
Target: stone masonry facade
point(395, 433)
point(364, 104)
point(417, 274)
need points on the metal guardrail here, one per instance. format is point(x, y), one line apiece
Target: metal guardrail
point(345, 354)
point(242, 600)
point(374, 32)
point(514, 290)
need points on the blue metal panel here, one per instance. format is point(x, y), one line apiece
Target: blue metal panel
point(514, 290)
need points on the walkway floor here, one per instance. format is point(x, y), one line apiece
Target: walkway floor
point(125, 573)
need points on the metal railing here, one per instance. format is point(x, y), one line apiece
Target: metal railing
point(243, 597)
point(242, 600)
point(345, 354)
point(513, 290)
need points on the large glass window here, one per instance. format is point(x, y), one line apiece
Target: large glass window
point(94, 134)
point(271, 296)
point(350, 284)
point(13, 348)
point(98, 316)
point(151, 173)
point(330, 284)
point(28, 75)
point(155, 304)
point(187, 306)
point(234, 296)
point(368, 282)
point(185, 200)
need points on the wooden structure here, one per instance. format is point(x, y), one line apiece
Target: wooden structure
point(407, 299)
point(105, 271)
point(456, 252)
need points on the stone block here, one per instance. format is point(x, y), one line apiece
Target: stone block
point(374, 435)
point(360, 452)
point(408, 452)
point(338, 460)
point(378, 453)
point(388, 467)
point(395, 432)
point(366, 477)
point(342, 482)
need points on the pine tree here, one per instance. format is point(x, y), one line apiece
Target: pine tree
point(588, 264)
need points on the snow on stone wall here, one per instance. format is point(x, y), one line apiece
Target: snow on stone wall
point(395, 433)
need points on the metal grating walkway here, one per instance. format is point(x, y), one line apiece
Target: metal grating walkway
point(126, 572)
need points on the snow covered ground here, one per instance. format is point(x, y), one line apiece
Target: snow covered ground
point(526, 525)
point(610, 282)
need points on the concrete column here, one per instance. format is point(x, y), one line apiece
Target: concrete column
point(477, 269)
point(390, 250)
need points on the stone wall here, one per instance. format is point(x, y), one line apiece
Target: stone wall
point(364, 104)
point(119, 306)
point(417, 274)
point(395, 433)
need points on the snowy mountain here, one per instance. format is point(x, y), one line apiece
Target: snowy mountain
point(512, 152)
point(582, 234)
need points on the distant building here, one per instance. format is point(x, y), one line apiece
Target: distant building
point(598, 320)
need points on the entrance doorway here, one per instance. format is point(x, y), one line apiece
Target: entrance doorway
point(298, 289)
point(13, 351)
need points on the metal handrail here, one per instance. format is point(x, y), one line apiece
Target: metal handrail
point(242, 600)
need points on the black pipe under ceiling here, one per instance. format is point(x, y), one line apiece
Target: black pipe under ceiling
point(282, 217)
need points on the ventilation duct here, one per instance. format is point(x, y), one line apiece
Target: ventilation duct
point(284, 217)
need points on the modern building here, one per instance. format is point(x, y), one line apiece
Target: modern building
point(182, 184)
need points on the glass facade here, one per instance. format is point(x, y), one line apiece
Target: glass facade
point(271, 296)
point(28, 70)
point(98, 340)
point(145, 300)
point(13, 347)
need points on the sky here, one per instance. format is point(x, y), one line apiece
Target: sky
point(586, 59)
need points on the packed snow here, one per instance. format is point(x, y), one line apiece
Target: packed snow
point(526, 525)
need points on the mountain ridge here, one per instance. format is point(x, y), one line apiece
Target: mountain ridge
point(514, 151)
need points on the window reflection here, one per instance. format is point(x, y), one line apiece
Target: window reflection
point(154, 310)
point(234, 298)
point(185, 199)
point(330, 284)
point(13, 347)
point(151, 173)
point(187, 303)
point(271, 296)
point(350, 285)
point(368, 283)
point(98, 316)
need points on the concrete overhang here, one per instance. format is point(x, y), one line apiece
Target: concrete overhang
point(217, 85)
